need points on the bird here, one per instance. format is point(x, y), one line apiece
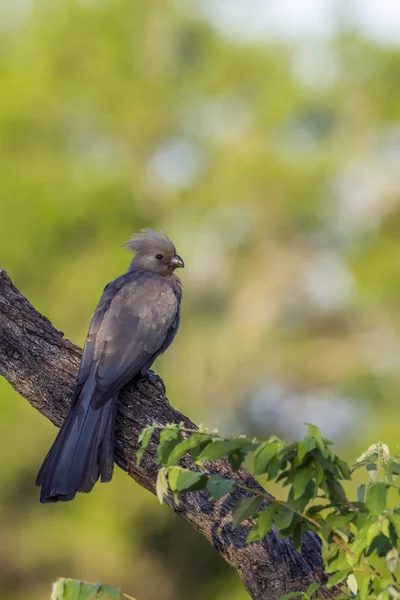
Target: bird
point(135, 321)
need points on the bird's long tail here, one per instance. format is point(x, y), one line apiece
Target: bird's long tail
point(83, 450)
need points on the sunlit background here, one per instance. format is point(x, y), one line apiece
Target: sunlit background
point(264, 137)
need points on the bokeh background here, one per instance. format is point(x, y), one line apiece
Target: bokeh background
point(264, 137)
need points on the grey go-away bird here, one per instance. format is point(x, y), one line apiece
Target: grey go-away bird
point(135, 321)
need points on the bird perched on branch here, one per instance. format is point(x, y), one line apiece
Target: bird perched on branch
point(135, 321)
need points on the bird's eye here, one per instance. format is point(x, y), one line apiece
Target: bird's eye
point(159, 257)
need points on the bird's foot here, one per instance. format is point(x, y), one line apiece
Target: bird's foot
point(155, 380)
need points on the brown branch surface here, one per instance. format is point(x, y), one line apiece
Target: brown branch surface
point(41, 365)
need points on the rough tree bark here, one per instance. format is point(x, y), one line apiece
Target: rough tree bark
point(41, 365)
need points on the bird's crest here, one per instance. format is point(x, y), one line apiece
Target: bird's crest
point(147, 240)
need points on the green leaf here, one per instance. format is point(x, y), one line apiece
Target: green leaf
point(246, 508)
point(161, 484)
point(264, 454)
point(273, 468)
point(169, 438)
point(301, 480)
point(106, 591)
point(326, 464)
point(173, 473)
point(340, 521)
point(196, 440)
point(237, 458)
point(395, 466)
point(297, 535)
point(364, 588)
point(395, 520)
point(74, 590)
point(372, 471)
point(144, 439)
point(343, 468)
point(376, 498)
point(220, 448)
point(190, 481)
point(330, 554)
point(378, 585)
point(304, 447)
point(292, 595)
point(144, 432)
point(263, 524)
point(389, 470)
point(218, 487)
point(392, 560)
point(380, 545)
point(373, 531)
point(195, 452)
point(315, 509)
point(284, 476)
point(360, 544)
point(70, 589)
point(385, 523)
point(311, 589)
point(57, 590)
point(361, 493)
point(352, 583)
point(337, 578)
point(314, 433)
point(361, 517)
point(283, 518)
point(319, 474)
point(372, 452)
point(308, 494)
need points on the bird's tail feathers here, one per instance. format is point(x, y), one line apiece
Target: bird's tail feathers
point(82, 452)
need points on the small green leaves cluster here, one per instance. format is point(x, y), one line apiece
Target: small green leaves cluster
point(360, 536)
point(72, 589)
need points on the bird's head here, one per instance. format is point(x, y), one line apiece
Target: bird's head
point(154, 252)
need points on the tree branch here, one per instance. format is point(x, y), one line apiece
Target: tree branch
point(41, 366)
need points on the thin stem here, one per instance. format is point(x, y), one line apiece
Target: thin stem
point(257, 492)
point(349, 551)
point(345, 500)
point(189, 430)
point(379, 462)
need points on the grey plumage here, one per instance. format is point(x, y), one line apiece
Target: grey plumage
point(135, 321)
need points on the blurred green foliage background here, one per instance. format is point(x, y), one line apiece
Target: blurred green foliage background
point(273, 163)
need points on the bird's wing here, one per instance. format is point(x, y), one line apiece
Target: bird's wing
point(86, 363)
point(88, 350)
point(128, 333)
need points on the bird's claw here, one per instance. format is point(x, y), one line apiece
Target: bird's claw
point(155, 380)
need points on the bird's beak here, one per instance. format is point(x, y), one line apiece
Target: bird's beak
point(177, 262)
